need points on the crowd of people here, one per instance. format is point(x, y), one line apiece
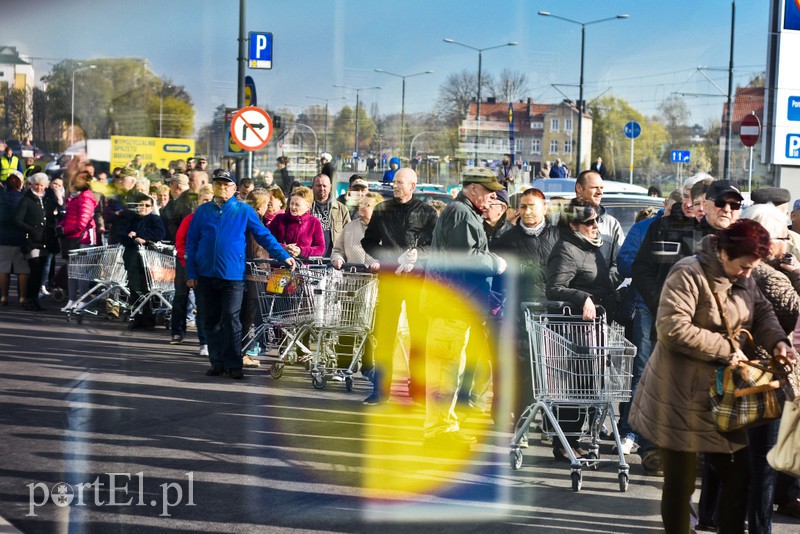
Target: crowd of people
point(681, 261)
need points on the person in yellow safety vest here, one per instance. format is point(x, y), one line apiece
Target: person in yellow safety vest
point(8, 163)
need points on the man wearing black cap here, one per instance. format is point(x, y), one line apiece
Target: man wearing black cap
point(494, 218)
point(461, 260)
point(215, 251)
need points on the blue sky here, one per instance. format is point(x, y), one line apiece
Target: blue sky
point(318, 43)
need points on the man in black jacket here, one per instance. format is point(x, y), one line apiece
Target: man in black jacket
point(399, 232)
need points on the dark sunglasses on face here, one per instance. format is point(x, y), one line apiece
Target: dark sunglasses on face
point(590, 222)
point(720, 203)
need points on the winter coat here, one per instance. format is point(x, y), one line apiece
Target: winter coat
point(613, 237)
point(304, 231)
point(31, 218)
point(216, 241)
point(531, 252)
point(11, 235)
point(396, 227)
point(388, 176)
point(508, 175)
point(79, 218)
point(149, 228)
point(671, 407)
point(781, 289)
point(495, 232)
point(348, 247)
point(576, 270)
point(627, 255)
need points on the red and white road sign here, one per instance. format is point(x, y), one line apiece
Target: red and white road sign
point(251, 128)
point(750, 130)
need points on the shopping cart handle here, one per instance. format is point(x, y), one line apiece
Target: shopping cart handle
point(355, 268)
point(271, 262)
point(545, 304)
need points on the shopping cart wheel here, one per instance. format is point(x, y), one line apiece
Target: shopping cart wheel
point(57, 294)
point(276, 370)
point(576, 480)
point(592, 463)
point(516, 459)
point(318, 381)
point(623, 482)
point(348, 383)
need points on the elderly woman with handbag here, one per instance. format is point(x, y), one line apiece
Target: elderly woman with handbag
point(707, 301)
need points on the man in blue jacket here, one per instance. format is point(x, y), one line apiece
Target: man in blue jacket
point(215, 264)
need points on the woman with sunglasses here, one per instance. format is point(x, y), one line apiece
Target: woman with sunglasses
point(578, 273)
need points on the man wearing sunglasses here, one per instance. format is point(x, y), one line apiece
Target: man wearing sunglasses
point(723, 206)
point(215, 253)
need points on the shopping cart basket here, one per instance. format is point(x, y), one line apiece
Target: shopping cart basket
point(343, 322)
point(286, 301)
point(104, 269)
point(158, 260)
point(576, 364)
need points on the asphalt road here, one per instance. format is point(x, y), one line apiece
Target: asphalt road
point(94, 405)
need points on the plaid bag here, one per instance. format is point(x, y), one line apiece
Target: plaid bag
point(745, 396)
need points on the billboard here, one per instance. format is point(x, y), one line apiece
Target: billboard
point(786, 139)
point(159, 150)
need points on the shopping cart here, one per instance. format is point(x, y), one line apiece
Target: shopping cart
point(158, 260)
point(576, 365)
point(286, 301)
point(343, 321)
point(104, 269)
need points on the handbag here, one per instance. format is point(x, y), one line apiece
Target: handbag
point(785, 455)
point(746, 395)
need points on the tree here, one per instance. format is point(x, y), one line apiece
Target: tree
point(510, 86)
point(344, 130)
point(675, 116)
point(457, 92)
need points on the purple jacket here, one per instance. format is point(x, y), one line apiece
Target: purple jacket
point(304, 231)
point(79, 219)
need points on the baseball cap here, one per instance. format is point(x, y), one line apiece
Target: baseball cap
point(359, 182)
point(483, 176)
point(221, 175)
point(720, 188)
point(502, 196)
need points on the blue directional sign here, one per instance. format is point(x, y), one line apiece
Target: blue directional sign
point(632, 130)
point(260, 56)
point(680, 156)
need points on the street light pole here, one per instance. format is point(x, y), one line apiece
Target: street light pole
point(727, 166)
point(403, 100)
point(72, 112)
point(326, 115)
point(581, 103)
point(478, 105)
point(357, 90)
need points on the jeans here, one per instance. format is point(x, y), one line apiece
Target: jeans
point(219, 302)
point(763, 477)
point(679, 482)
point(642, 328)
point(447, 342)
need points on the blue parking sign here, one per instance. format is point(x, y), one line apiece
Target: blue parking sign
point(260, 56)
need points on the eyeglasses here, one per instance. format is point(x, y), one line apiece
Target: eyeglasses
point(590, 222)
point(720, 203)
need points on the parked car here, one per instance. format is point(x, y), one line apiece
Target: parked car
point(424, 192)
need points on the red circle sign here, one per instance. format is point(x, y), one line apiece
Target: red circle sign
point(251, 128)
point(750, 130)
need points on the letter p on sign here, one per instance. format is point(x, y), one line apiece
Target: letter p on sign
point(260, 50)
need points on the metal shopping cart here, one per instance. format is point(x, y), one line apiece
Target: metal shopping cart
point(286, 301)
point(158, 260)
point(343, 322)
point(104, 269)
point(576, 364)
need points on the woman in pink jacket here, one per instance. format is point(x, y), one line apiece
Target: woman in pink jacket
point(297, 230)
point(79, 230)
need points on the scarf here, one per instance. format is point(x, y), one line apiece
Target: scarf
point(596, 242)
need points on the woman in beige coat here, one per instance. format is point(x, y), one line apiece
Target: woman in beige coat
point(671, 407)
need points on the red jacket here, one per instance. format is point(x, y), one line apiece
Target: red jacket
point(304, 231)
point(79, 218)
point(180, 238)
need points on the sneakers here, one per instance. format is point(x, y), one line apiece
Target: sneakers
point(374, 400)
point(177, 339)
point(254, 350)
point(651, 463)
point(453, 441)
point(43, 292)
point(628, 446)
point(203, 350)
point(191, 325)
point(70, 304)
point(250, 363)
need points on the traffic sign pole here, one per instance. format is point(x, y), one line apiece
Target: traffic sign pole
point(631, 178)
point(750, 173)
point(632, 130)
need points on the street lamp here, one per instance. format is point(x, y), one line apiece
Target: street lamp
point(581, 106)
point(161, 108)
point(480, 61)
point(403, 99)
point(357, 90)
point(72, 113)
point(326, 114)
